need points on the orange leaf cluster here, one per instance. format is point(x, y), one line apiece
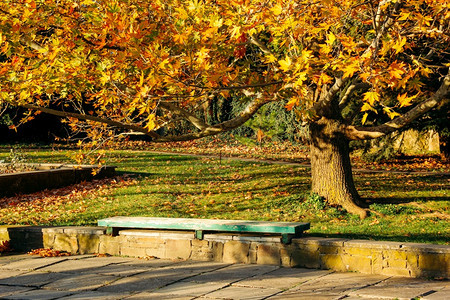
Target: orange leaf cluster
point(47, 252)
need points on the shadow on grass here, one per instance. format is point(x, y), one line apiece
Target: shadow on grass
point(400, 200)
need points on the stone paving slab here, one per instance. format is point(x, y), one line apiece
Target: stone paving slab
point(110, 278)
point(28, 264)
point(11, 290)
point(155, 296)
point(81, 282)
point(310, 295)
point(84, 265)
point(233, 273)
point(186, 288)
point(243, 293)
point(160, 277)
point(443, 294)
point(93, 295)
point(400, 288)
point(283, 278)
point(33, 279)
point(38, 295)
point(6, 274)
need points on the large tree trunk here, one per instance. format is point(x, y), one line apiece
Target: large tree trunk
point(331, 168)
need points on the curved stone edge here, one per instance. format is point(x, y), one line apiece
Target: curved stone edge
point(364, 256)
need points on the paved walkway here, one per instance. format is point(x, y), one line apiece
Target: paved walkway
point(90, 277)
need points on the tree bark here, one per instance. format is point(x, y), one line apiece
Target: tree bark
point(331, 168)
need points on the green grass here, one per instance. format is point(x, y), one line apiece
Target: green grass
point(415, 207)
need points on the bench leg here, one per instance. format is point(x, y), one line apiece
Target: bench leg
point(286, 238)
point(199, 234)
point(113, 231)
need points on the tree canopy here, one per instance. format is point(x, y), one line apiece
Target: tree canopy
point(127, 58)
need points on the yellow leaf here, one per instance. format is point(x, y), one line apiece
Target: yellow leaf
point(331, 38)
point(277, 9)
point(392, 114)
point(398, 46)
point(182, 14)
point(404, 16)
point(285, 64)
point(366, 107)
point(364, 118)
point(371, 97)
point(293, 102)
point(270, 58)
point(404, 100)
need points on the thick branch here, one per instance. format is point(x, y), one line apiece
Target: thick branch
point(90, 118)
point(243, 117)
point(353, 87)
point(185, 114)
point(323, 107)
point(366, 133)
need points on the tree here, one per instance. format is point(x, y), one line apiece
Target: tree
point(144, 65)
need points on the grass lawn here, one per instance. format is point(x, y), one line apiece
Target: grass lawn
point(415, 207)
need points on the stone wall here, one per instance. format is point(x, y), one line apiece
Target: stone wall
point(48, 178)
point(370, 257)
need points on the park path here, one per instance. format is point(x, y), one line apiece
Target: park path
point(299, 164)
point(96, 278)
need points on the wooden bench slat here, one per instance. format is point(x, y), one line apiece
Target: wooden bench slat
point(294, 228)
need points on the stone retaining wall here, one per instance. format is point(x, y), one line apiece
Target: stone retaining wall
point(370, 257)
point(48, 177)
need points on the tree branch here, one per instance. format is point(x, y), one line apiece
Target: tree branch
point(366, 133)
point(185, 114)
point(243, 117)
point(90, 118)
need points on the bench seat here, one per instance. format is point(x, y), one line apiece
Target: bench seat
point(288, 230)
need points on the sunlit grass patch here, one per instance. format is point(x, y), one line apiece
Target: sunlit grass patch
point(411, 207)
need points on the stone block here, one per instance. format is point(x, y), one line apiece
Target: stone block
point(412, 260)
point(236, 252)
point(155, 252)
point(268, 254)
point(394, 263)
point(332, 262)
point(329, 249)
point(373, 244)
point(435, 262)
point(304, 258)
point(361, 264)
point(285, 257)
point(367, 252)
point(109, 245)
point(178, 249)
point(196, 243)
point(148, 242)
point(134, 252)
point(217, 250)
point(48, 239)
point(88, 243)
point(377, 262)
point(66, 242)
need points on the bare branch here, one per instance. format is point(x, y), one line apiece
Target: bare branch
point(243, 117)
point(90, 118)
point(185, 114)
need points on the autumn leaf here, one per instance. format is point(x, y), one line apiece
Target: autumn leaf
point(404, 100)
point(285, 64)
point(371, 97)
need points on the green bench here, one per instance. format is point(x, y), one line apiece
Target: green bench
point(288, 230)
